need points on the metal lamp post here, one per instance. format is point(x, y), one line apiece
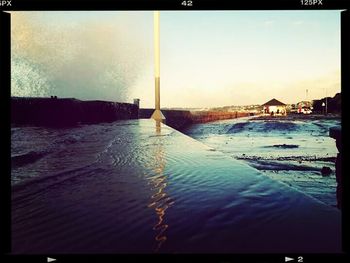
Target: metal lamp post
point(157, 114)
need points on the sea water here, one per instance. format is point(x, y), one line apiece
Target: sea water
point(291, 150)
point(133, 187)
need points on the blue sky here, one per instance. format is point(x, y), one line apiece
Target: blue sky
point(211, 58)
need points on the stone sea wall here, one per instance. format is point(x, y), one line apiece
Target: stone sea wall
point(70, 111)
point(66, 111)
point(179, 119)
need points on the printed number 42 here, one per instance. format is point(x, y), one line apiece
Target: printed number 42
point(187, 3)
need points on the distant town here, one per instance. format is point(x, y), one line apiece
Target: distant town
point(317, 106)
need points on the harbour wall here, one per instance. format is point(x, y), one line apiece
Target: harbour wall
point(179, 119)
point(68, 111)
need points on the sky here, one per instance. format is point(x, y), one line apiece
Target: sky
point(208, 58)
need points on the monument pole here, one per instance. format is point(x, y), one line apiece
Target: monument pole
point(157, 114)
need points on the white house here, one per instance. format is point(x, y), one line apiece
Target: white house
point(274, 107)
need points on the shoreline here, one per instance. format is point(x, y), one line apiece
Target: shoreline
point(291, 149)
point(296, 116)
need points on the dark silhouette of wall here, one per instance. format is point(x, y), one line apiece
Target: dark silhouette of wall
point(180, 119)
point(65, 112)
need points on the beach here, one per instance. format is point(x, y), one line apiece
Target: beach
point(291, 149)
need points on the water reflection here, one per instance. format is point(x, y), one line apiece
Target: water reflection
point(160, 200)
point(158, 128)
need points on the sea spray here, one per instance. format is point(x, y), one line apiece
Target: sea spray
point(94, 55)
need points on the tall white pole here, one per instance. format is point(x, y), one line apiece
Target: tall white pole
point(157, 59)
point(157, 114)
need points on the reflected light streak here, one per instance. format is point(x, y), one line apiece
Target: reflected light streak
point(160, 201)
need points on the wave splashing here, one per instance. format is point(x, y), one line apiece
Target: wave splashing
point(82, 55)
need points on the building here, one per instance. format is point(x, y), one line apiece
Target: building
point(274, 107)
point(304, 107)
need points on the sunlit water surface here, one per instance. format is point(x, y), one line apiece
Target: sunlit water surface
point(132, 187)
point(290, 151)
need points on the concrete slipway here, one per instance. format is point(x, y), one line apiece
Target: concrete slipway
point(153, 189)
